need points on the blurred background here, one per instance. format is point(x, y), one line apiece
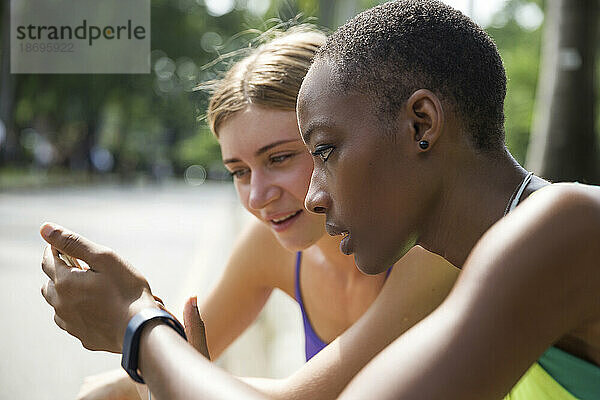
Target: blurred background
point(128, 161)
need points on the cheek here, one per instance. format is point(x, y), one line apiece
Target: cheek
point(352, 184)
point(300, 177)
point(294, 184)
point(360, 190)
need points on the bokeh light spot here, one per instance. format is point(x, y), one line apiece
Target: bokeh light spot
point(195, 175)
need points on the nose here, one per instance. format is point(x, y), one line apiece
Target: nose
point(262, 191)
point(317, 200)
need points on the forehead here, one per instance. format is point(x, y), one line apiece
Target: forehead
point(318, 80)
point(323, 104)
point(255, 127)
point(317, 84)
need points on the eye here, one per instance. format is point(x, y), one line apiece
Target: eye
point(276, 159)
point(239, 173)
point(323, 151)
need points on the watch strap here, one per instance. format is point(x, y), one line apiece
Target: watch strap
point(131, 340)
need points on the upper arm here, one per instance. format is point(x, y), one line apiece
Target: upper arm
point(531, 279)
point(418, 284)
point(241, 292)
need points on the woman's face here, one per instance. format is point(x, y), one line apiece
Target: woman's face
point(271, 170)
point(373, 186)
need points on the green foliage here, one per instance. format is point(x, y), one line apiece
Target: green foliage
point(202, 148)
point(149, 120)
point(520, 50)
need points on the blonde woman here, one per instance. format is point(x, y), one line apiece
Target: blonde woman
point(348, 316)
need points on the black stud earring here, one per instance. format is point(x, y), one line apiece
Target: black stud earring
point(424, 144)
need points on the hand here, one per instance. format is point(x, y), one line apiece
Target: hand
point(110, 385)
point(94, 304)
point(194, 327)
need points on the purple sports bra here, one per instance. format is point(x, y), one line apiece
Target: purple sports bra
point(313, 343)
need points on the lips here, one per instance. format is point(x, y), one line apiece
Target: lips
point(345, 244)
point(284, 217)
point(280, 222)
point(333, 230)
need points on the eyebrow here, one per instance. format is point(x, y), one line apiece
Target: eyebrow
point(263, 149)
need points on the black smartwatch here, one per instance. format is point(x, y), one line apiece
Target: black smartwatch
point(131, 341)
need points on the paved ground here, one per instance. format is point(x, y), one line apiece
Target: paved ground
point(178, 236)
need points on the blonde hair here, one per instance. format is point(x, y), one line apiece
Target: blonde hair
point(270, 76)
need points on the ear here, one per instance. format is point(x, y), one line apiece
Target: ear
point(426, 116)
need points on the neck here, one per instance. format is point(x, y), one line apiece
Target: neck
point(472, 198)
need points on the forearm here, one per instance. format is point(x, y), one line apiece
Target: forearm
point(142, 391)
point(174, 370)
point(108, 385)
point(272, 388)
point(522, 288)
point(420, 282)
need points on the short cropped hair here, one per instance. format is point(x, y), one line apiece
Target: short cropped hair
point(394, 49)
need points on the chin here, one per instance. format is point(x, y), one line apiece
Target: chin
point(380, 259)
point(297, 243)
point(369, 266)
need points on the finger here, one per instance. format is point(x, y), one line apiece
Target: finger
point(62, 268)
point(60, 322)
point(49, 293)
point(48, 263)
point(71, 243)
point(194, 327)
point(67, 259)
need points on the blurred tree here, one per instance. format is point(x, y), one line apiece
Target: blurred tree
point(327, 13)
point(9, 149)
point(564, 143)
point(133, 121)
point(335, 13)
point(142, 123)
point(131, 124)
point(519, 44)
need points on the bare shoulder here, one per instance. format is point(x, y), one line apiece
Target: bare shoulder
point(569, 194)
point(530, 280)
point(567, 212)
point(417, 284)
point(259, 241)
point(544, 249)
point(572, 207)
point(421, 265)
point(259, 253)
point(424, 258)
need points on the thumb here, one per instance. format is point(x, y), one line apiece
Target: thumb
point(194, 326)
point(70, 243)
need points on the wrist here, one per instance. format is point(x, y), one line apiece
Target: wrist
point(150, 329)
point(140, 322)
point(144, 302)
